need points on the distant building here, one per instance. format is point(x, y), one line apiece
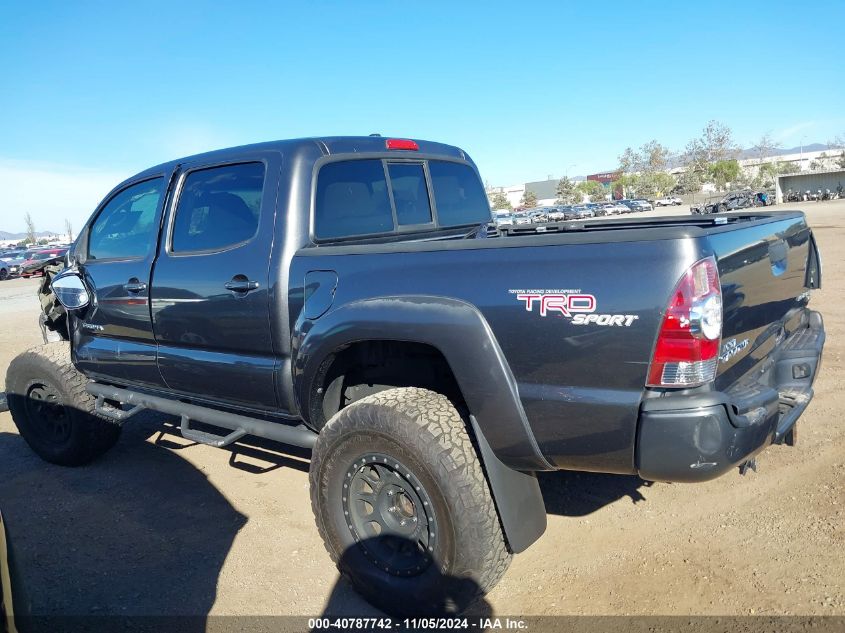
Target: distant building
point(807, 159)
point(606, 178)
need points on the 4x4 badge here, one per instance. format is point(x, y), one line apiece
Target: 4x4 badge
point(732, 348)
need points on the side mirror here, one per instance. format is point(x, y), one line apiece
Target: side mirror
point(70, 290)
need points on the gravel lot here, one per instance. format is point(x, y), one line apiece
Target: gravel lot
point(161, 526)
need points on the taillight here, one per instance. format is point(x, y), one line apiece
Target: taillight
point(402, 143)
point(687, 349)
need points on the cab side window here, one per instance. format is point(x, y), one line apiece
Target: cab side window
point(126, 227)
point(218, 208)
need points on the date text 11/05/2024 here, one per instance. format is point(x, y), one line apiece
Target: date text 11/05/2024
point(437, 624)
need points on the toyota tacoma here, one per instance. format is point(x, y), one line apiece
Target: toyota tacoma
point(348, 295)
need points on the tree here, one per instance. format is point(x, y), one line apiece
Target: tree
point(840, 162)
point(654, 156)
point(627, 183)
point(748, 179)
point(593, 189)
point(714, 145)
point(529, 199)
point(500, 201)
point(661, 183)
point(765, 147)
point(30, 228)
point(69, 230)
point(688, 181)
point(650, 157)
point(628, 161)
point(567, 192)
point(723, 172)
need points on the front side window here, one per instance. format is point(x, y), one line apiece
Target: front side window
point(126, 226)
point(218, 207)
point(458, 194)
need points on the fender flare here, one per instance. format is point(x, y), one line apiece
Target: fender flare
point(461, 333)
point(455, 328)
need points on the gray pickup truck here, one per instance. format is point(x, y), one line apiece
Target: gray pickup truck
point(351, 296)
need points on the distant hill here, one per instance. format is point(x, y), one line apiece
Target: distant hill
point(813, 147)
point(750, 152)
point(5, 235)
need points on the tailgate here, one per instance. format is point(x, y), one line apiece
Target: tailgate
point(765, 286)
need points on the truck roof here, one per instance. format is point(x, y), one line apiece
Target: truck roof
point(327, 145)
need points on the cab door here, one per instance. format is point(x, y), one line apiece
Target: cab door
point(113, 338)
point(210, 294)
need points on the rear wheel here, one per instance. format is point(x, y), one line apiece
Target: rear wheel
point(4, 274)
point(403, 506)
point(53, 412)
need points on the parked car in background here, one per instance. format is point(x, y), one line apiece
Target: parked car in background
point(668, 201)
point(502, 217)
point(540, 214)
point(731, 201)
point(4, 270)
point(521, 217)
point(767, 198)
point(613, 208)
point(582, 212)
point(643, 205)
point(560, 213)
point(34, 266)
point(637, 205)
point(14, 261)
point(597, 208)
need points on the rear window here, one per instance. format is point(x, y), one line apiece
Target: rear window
point(458, 193)
point(372, 196)
point(352, 199)
point(410, 193)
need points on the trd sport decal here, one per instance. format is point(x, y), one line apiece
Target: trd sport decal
point(578, 307)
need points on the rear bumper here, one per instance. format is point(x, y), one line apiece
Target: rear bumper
point(689, 438)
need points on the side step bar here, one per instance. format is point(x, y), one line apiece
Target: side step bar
point(240, 425)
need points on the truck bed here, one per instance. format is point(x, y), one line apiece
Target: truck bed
point(582, 385)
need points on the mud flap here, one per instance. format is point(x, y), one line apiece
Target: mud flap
point(517, 496)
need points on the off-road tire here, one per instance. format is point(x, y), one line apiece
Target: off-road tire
point(424, 432)
point(86, 436)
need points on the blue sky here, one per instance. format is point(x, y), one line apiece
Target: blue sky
point(93, 92)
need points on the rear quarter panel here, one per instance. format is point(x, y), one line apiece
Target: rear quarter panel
point(580, 385)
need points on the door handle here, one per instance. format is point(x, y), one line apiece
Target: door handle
point(133, 285)
point(241, 284)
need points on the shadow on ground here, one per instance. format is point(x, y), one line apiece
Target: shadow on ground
point(445, 596)
point(141, 531)
point(575, 494)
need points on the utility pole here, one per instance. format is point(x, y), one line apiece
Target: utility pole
point(801, 159)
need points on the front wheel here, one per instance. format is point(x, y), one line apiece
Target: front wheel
point(402, 504)
point(53, 412)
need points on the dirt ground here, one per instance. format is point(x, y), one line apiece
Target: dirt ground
point(161, 526)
